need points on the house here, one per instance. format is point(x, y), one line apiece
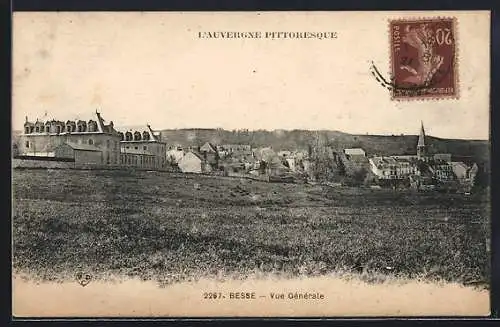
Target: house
point(142, 149)
point(41, 138)
point(231, 168)
point(193, 162)
point(275, 167)
point(291, 163)
point(442, 170)
point(210, 154)
point(233, 149)
point(174, 155)
point(464, 173)
point(354, 152)
point(392, 168)
point(208, 148)
point(264, 154)
point(81, 153)
point(442, 157)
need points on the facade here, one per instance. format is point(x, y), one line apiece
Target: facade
point(465, 174)
point(83, 154)
point(142, 149)
point(40, 139)
point(460, 169)
point(174, 155)
point(193, 163)
point(392, 168)
point(233, 149)
point(442, 170)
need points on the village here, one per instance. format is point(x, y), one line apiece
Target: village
point(93, 144)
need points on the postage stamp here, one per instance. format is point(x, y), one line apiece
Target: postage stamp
point(423, 58)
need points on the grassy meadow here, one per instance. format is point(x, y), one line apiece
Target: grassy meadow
point(168, 227)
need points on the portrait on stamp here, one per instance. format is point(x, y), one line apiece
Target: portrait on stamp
point(423, 58)
point(250, 164)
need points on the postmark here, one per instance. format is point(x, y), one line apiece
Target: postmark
point(423, 59)
point(83, 278)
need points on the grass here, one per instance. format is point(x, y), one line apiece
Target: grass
point(173, 227)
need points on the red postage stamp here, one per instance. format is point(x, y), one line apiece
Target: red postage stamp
point(423, 58)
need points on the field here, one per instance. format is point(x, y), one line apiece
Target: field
point(169, 227)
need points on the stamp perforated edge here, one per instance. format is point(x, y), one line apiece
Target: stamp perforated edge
point(456, 65)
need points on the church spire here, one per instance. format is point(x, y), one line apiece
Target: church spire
point(421, 142)
point(421, 137)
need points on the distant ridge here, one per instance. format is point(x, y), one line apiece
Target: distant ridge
point(478, 150)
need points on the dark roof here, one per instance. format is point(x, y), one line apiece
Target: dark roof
point(82, 147)
point(211, 146)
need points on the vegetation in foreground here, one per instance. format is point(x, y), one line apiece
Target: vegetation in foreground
point(173, 227)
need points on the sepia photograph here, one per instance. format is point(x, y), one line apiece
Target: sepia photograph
point(251, 164)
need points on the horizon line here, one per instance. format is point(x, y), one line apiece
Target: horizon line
point(294, 129)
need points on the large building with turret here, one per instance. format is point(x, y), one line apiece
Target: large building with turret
point(89, 142)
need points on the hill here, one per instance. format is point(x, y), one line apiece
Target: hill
point(478, 150)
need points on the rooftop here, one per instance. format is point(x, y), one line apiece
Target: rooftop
point(83, 147)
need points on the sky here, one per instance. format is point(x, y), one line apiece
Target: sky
point(152, 68)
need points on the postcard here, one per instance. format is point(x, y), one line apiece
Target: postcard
point(251, 164)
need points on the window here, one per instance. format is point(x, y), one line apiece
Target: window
point(91, 141)
point(145, 147)
point(27, 144)
point(136, 147)
point(127, 147)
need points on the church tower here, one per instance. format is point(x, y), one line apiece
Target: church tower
point(421, 147)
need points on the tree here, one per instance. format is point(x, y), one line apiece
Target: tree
point(324, 162)
point(359, 175)
point(263, 167)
